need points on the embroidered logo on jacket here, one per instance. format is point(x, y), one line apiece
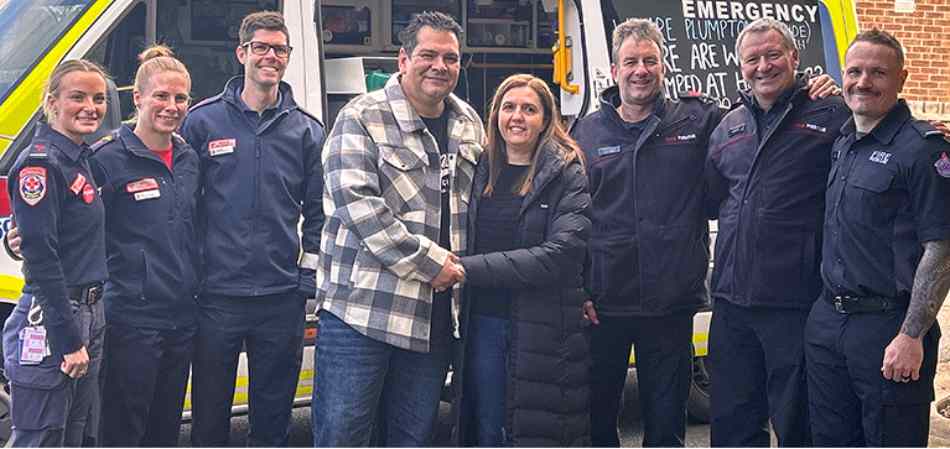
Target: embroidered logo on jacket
point(881, 157)
point(32, 184)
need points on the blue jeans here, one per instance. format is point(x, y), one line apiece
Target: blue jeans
point(355, 376)
point(486, 376)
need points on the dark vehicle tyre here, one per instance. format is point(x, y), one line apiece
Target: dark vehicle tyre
point(697, 406)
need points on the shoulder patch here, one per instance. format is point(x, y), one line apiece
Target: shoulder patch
point(33, 184)
point(103, 141)
point(943, 165)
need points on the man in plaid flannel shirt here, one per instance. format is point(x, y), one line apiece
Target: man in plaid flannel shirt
point(398, 169)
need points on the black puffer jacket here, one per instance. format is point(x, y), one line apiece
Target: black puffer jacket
point(548, 400)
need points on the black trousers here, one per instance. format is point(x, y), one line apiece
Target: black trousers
point(757, 370)
point(663, 348)
point(851, 402)
point(270, 328)
point(146, 374)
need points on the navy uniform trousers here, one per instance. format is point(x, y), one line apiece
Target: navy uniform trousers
point(62, 416)
point(757, 371)
point(851, 402)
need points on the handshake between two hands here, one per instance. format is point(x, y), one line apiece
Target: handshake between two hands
point(452, 273)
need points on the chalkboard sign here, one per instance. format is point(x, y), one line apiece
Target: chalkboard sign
point(701, 38)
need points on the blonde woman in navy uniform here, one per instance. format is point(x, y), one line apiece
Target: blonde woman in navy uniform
point(149, 179)
point(53, 338)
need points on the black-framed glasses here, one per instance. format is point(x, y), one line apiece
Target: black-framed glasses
point(261, 49)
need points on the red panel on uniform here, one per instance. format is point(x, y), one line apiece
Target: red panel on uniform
point(4, 198)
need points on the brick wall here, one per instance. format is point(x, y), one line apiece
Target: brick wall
point(925, 34)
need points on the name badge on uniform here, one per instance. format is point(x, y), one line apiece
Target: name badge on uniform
point(221, 146)
point(606, 151)
point(77, 184)
point(33, 347)
point(144, 189)
point(736, 130)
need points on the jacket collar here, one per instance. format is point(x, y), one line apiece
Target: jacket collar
point(610, 101)
point(792, 94)
point(58, 140)
point(406, 116)
point(890, 125)
point(134, 145)
point(234, 86)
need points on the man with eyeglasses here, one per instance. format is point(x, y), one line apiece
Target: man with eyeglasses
point(260, 167)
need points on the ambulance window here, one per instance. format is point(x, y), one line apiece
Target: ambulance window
point(27, 30)
point(204, 34)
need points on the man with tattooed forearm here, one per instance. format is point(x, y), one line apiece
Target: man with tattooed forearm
point(871, 340)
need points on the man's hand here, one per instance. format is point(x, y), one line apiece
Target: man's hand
point(452, 273)
point(942, 127)
point(590, 313)
point(822, 87)
point(902, 359)
point(75, 364)
point(13, 242)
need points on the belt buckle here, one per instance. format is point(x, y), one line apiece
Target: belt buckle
point(93, 294)
point(839, 304)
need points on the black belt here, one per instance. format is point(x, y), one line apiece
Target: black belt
point(87, 294)
point(867, 304)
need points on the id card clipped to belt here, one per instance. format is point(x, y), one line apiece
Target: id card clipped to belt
point(33, 345)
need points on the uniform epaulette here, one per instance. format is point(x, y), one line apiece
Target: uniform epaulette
point(38, 151)
point(206, 102)
point(104, 140)
point(928, 130)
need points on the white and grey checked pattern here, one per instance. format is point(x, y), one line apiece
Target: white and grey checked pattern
point(382, 201)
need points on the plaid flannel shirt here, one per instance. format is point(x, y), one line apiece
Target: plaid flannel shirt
point(382, 200)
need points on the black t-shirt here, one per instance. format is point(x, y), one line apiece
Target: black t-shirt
point(442, 302)
point(496, 227)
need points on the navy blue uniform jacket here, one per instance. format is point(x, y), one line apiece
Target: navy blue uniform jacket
point(150, 231)
point(258, 177)
point(649, 242)
point(61, 220)
point(768, 188)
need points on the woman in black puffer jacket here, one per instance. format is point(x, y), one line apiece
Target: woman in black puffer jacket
point(521, 372)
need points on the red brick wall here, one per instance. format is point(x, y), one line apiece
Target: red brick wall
point(925, 34)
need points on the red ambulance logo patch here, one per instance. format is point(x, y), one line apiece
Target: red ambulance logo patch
point(88, 193)
point(32, 184)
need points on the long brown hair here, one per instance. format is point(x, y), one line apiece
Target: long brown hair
point(553, 133)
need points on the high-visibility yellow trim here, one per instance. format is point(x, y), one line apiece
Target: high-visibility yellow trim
point(10, 286)
point(25, 100)
point(844, 21)
point(562, 55)
point(304, 388)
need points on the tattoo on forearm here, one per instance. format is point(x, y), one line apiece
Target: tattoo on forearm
point(931, 283)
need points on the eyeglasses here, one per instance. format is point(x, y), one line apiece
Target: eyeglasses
point(261, 49)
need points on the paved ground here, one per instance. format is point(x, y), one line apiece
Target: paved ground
point(631, 430)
